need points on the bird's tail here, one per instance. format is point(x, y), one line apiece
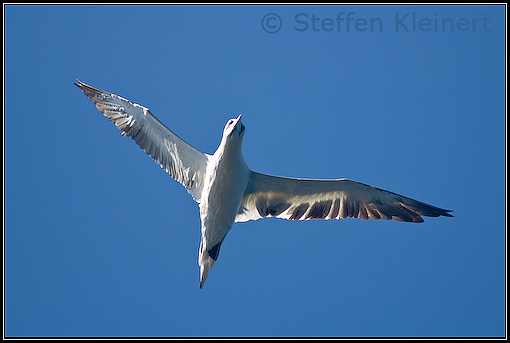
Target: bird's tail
point(207, 257)
point(206, 263)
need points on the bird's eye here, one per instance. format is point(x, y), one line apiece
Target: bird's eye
point(230, 122)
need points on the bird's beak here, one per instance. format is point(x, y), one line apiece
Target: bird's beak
point(239, 128)
point(238, 119)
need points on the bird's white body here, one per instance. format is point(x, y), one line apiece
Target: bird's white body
point(228, 191)
point(224, 186)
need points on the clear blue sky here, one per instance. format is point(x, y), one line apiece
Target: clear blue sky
point(100, 241)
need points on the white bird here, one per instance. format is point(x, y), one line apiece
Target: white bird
point(227, 191)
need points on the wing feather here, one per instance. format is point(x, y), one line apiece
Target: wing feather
point(304, 199)
point(183, 162)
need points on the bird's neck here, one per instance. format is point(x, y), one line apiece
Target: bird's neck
point(230, 152)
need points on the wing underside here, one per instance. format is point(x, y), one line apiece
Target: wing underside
point(303, 199)
point(183, 162)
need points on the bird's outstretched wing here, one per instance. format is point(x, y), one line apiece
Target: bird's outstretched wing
point(302, 199)
point(182, 161)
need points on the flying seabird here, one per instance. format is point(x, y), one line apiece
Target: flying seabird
point(228, 191)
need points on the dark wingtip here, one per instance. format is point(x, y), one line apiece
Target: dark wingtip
point(446, 214)
point(88, 90)
point(429, 210)
point(443, 212)
point(440, 213)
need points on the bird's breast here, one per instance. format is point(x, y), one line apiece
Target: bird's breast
point(226, 182)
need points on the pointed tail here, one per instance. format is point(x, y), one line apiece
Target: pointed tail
point(205, 265)
point(206, 259)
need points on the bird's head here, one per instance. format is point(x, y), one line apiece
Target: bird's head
point(234, 130)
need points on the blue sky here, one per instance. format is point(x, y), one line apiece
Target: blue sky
point(100, 241)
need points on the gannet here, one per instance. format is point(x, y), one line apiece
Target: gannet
point(228, 191)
